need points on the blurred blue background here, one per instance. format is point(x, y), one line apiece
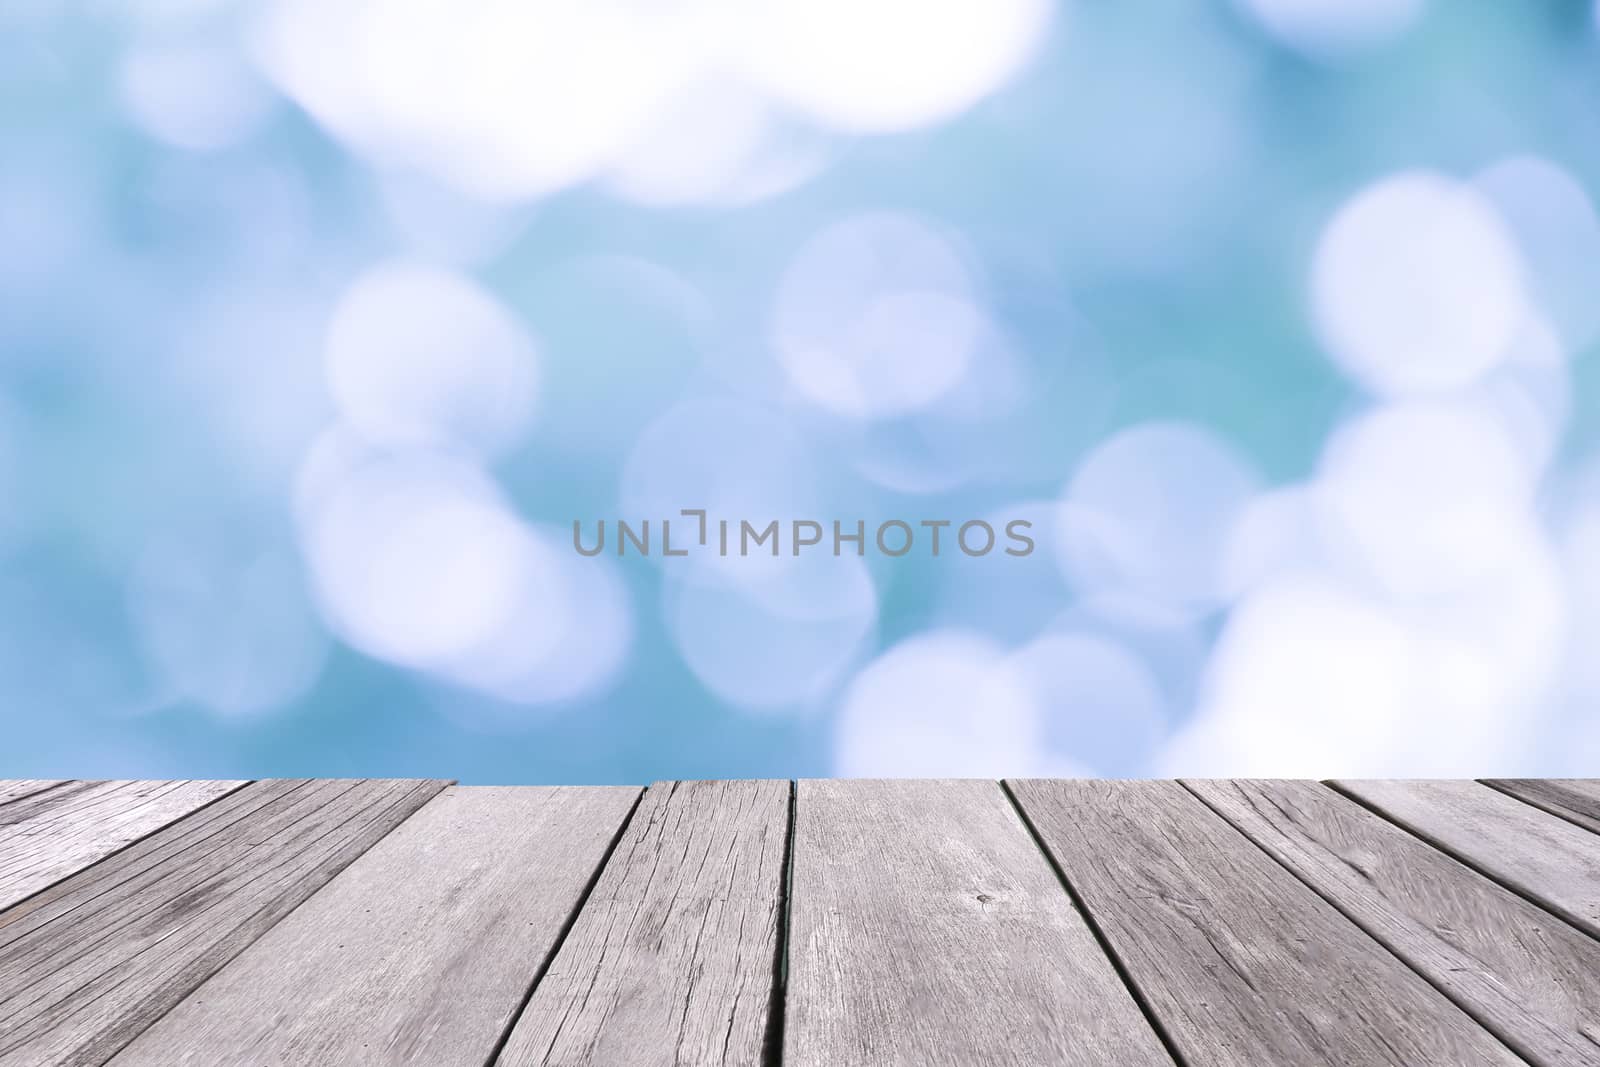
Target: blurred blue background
point(320, 323)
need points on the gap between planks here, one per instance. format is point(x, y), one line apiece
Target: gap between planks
point(1544, 901)
point(772, 1054)
point(566, 928)
point(1117, 963)
point(1406, 937)
point(104, 842)
point(606, 946)
point(773, 1042)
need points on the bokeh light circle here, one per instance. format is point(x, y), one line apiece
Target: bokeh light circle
point(832, 58)
point(766, 633)
point(1424, 495)
point(1148, 513)
point(876, 317)
point(1099, 704)
point(942, 703)
point(1416, 285)
point(417, 559)
point(421, 356)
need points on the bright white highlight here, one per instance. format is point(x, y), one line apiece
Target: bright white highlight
point(1401, 615)
point(1423, 496)
point(503, 99)
point(519, 99)
point(944, 703)
point(888, 64)
point(418, 560)
point(420, 356)
point(876, 317)
point(584, 602)
point(1306, 681)
point(715, 141)
point(1313, 679)
point(1148, 514)
point(1416, 285)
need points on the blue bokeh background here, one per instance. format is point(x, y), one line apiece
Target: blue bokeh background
point(321, 322)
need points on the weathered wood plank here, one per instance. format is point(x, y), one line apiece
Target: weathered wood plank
point(51, 833)
point(672, 960)
point(420, 952)
point(927, 928)
point(1240, 962)
point(89, 963)
point(1574, 799)
point(1540, 855)
point(1532, 979)
point(17, 788)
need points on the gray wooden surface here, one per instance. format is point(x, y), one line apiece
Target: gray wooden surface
point(1546, 858)
point(48, 834)
point(17, 788)
point(1575, 800)
point(673, 957)
point(473, 891)
point(90, 963)
point(1242, 963)
point(926, 928)
point(312, 922)
point(1534, 981)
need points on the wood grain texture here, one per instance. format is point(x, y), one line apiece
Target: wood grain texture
point(17, 788)
point(1540, 855)
point(927, 928)
point(420, 952)
point(1240, 962)
point(672, 960)
point(1528, 976)
point(51, 833)
point(89, 963)
point(1575, 799)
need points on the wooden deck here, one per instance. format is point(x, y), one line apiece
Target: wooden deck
point(819, 923)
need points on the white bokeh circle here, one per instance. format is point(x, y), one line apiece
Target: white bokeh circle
point(771, 634)
point(421, 356)
point(1416, 285)
point(942, 704)
point(1148, 513)
point(519, 99)
point(876, 317)
point(1424, 495)
point(417, 559)
point(1100, 705)
point(888, 65)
